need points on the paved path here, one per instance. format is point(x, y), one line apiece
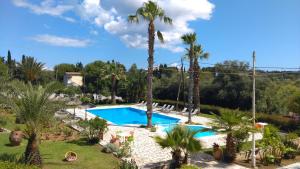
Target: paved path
point(292, 166)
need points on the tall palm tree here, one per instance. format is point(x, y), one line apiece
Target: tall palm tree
point(181, 140)
point(115, 71)
point(34, 106)
point(30, 69)
point(149, 12)
point(190, 39)
point(199, 54)
point(230, 121)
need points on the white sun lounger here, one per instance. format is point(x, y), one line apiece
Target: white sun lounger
point(142, 102)
point(166, 108)
point(170, 109)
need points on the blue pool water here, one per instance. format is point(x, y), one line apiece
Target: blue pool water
point(128, 115)
point(194, 128)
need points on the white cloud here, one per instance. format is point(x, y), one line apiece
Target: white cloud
point(46, 7)
point(61, 41)
point(111, 15)
point(94, 32)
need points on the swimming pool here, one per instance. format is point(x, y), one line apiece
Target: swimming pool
point(193, 128)
point(129, 116)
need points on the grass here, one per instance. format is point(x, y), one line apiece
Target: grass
point(207, 115)
point(10, 122)
point(89, 156)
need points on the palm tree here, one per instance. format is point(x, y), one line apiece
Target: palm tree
point(30, 69)
point(149, 12)
point(230, 121)
point(190, 39)
point(199, 54)
point(115, 71)
point(181, 140)
point(34, 106)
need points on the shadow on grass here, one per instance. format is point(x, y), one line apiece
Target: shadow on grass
point(80, 142)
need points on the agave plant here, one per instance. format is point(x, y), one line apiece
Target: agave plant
point(181, 140)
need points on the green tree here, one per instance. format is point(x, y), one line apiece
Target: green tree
point(31, 69)
point(294, 103)
point(62, 68)
point(94, 77)
point(199, 54)
point(181, 140)
point(3, 71)
point(230, 121)
point(34, 106)
point(136, 79)
point(190, 39)
point(149, 12)
point(115, 71)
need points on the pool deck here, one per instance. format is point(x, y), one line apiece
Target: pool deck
point(147, 153)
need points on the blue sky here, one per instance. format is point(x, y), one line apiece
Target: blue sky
point(71, 31)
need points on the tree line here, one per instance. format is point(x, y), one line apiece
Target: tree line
point(226, 84)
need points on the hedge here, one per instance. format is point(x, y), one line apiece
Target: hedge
point(283, 123)
point(9, 165)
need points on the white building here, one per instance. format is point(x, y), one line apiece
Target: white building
point(73, 79)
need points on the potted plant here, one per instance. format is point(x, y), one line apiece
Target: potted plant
point(70, 156)
point(15, 137)
point(217, 152)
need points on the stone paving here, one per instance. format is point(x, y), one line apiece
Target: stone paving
point(147, 153)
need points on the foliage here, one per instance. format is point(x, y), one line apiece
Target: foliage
point(283, 123)
point(136, 82)
point(181, 140)
point(30, 69)
point(11, 165)
point(92, 129)
point(241, 136)
point(3, 71)
point(110, 148)
point(53, 151)
point(61, 69)
point(231, 121)
point(271, 144)
point(125, 150)
point(294, 103)
point(34, 106)
point(150, 12)
point(86, 99)
point(189, 167)
point(128, 165)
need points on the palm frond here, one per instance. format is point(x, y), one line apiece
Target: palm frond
point(160, 36)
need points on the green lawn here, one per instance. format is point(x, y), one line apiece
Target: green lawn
point(89, 157)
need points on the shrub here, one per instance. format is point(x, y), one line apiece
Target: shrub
point(125, 150)
point(10, 165)
point(189, 167)
point(128, 165)
point(85, 100)
point(153, 129)
point(94, 129)
point(110, 148)
point(281, 122)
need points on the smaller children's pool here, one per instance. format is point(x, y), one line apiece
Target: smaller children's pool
point(194, 128)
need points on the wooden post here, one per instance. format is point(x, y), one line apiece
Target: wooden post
point(253, 112)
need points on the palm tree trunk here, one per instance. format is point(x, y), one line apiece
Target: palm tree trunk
point(32, 153)
point(151, 36)
point(177, 159)
point(230, 150)
point(196, 85)
point(191, 86)
point(113, 90)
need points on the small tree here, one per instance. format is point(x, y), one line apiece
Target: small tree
point(33, 104)
point(230, 121)
point(94, 129)
point(181, 140)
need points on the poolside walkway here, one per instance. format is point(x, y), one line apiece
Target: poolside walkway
point(147, 153)
point(292, 166)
